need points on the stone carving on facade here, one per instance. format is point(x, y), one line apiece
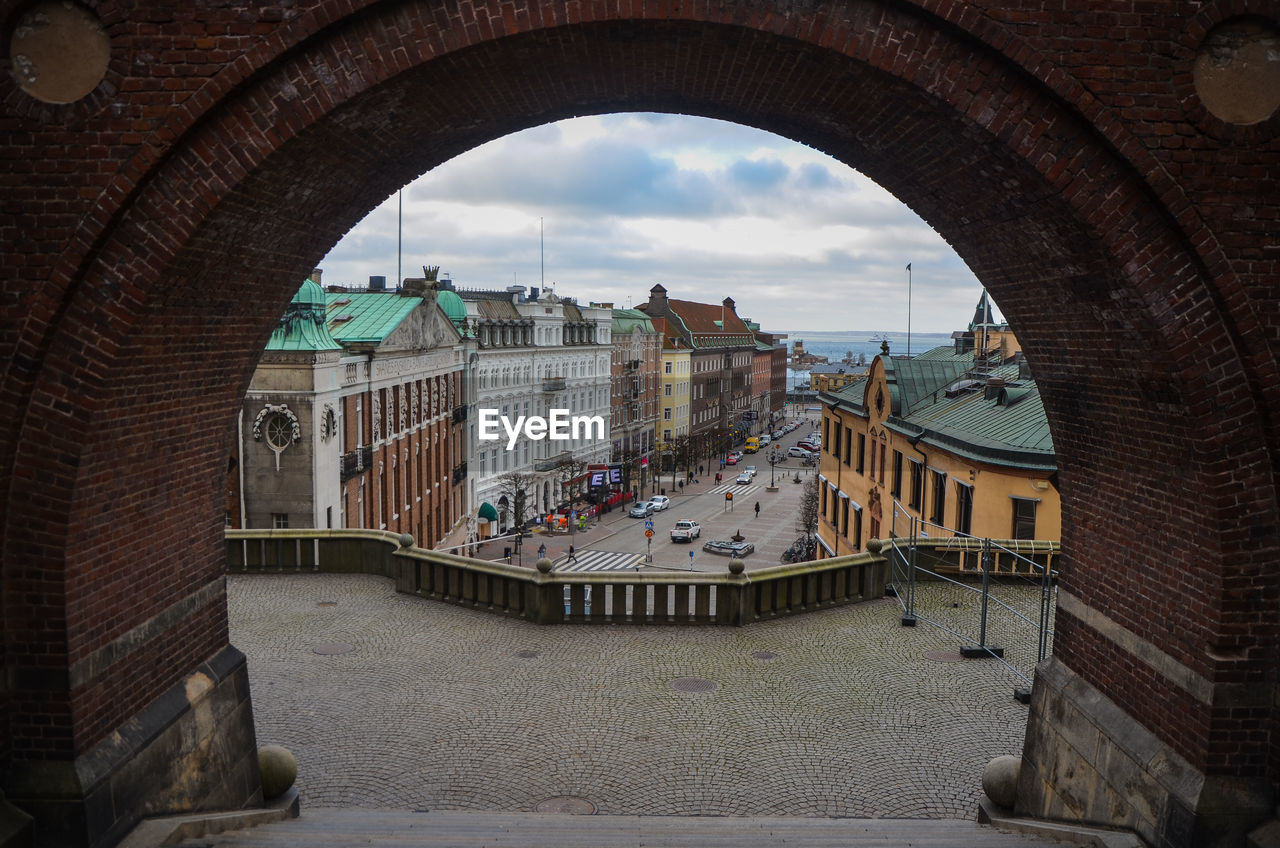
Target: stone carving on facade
point(414, 405)
point(404, 410)
point(376, 416)
point(328, 423)
point(280, 427)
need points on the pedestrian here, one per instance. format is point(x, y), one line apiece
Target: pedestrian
point(757, 509)
point(571, 558)
point(699, 470)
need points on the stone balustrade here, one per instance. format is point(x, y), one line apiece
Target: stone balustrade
point(734, 597)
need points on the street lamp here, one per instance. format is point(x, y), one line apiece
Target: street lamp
point(773, 464)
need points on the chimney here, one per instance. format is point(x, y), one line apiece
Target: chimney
point(657, 300)
point(315, 275)
point(728, 304)
point(994, 385)
point(377, 284)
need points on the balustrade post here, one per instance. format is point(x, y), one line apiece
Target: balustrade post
point(546, 598)
point(733, 598)
point(402, 567)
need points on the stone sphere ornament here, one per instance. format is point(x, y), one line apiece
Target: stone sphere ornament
point(278, 768)
point(1000, 780)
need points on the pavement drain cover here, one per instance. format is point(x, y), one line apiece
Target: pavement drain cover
point(332, 648)
point(326, 603)
point(692, 684)
point(566, 805)
point(943, 656)
point(526, 654)
point(764, 655)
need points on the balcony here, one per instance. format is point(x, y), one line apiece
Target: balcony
point(460, 473)
point(553, 462)
point(553, 384)
point(355, 462)
point(459, 414)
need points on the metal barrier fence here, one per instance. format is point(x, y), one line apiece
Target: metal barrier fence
point(998, 598)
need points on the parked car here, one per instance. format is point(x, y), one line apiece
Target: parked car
point(744, 477)
point(641, 509)
point(750, 469)
point(728, 548)
point(765, 439)
point(660, 502)
point(800, 451)
point(731, 460)
point(686, 531)
point(778, 434)
point(736, 454)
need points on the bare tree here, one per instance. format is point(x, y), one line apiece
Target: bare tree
point(516, 487)
point(569, 475)
point(808, 509)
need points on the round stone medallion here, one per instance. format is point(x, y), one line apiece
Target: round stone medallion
point(59, 51)
point(333, 648)
point(566, 805)
point(693, 684)
point(1237, 70)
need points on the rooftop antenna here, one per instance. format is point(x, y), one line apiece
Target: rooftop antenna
point(542, 253)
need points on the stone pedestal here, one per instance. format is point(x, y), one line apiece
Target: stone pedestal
point(1086, 760)
point(191, 749)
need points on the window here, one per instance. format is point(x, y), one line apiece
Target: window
point(856, 538)
point(964, 508)
point(666, 414)
point(844, 516)
point(884, 449)
point(897, 474)
point(280, 520)
point(666, 390)
point(1024, 518)
point(938, 515)
point(666, 436)
point(822, 507)
point(862, 451)
point(917, 485)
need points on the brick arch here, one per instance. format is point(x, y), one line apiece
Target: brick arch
point(165, 291)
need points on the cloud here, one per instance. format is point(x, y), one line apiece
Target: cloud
point(610, 205)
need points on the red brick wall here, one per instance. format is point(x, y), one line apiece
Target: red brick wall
point(1127, 235)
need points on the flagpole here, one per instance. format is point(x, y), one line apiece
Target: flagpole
point(908, 309)
point(399, 238)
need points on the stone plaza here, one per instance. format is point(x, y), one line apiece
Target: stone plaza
point(392, 701)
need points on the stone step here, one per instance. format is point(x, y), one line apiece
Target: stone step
point(347, 828)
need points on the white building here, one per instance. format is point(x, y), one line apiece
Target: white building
point(531, 354)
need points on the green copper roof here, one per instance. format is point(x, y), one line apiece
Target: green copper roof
point(452, 306)
point(367, 317)
point(302, 327)
point(624, 320)
point(933, 398)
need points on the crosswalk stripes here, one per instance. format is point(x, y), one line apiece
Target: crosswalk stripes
point(598, 561)
point(736, 488)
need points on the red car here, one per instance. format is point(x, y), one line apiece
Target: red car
point(730, 460)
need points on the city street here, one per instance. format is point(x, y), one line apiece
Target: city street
point(618, 541)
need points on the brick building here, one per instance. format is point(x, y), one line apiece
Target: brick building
point(634, 394)
point(355, 417)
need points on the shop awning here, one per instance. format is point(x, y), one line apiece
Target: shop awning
point(487, 512)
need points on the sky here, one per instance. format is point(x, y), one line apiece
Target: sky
point(602, 208)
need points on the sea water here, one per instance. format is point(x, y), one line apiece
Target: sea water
point(836, 345)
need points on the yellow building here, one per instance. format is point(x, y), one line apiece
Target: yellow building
point(831, 378)
point(673, 417)
point(957, 443)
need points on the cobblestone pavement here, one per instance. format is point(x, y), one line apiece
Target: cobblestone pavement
point(837, 713)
